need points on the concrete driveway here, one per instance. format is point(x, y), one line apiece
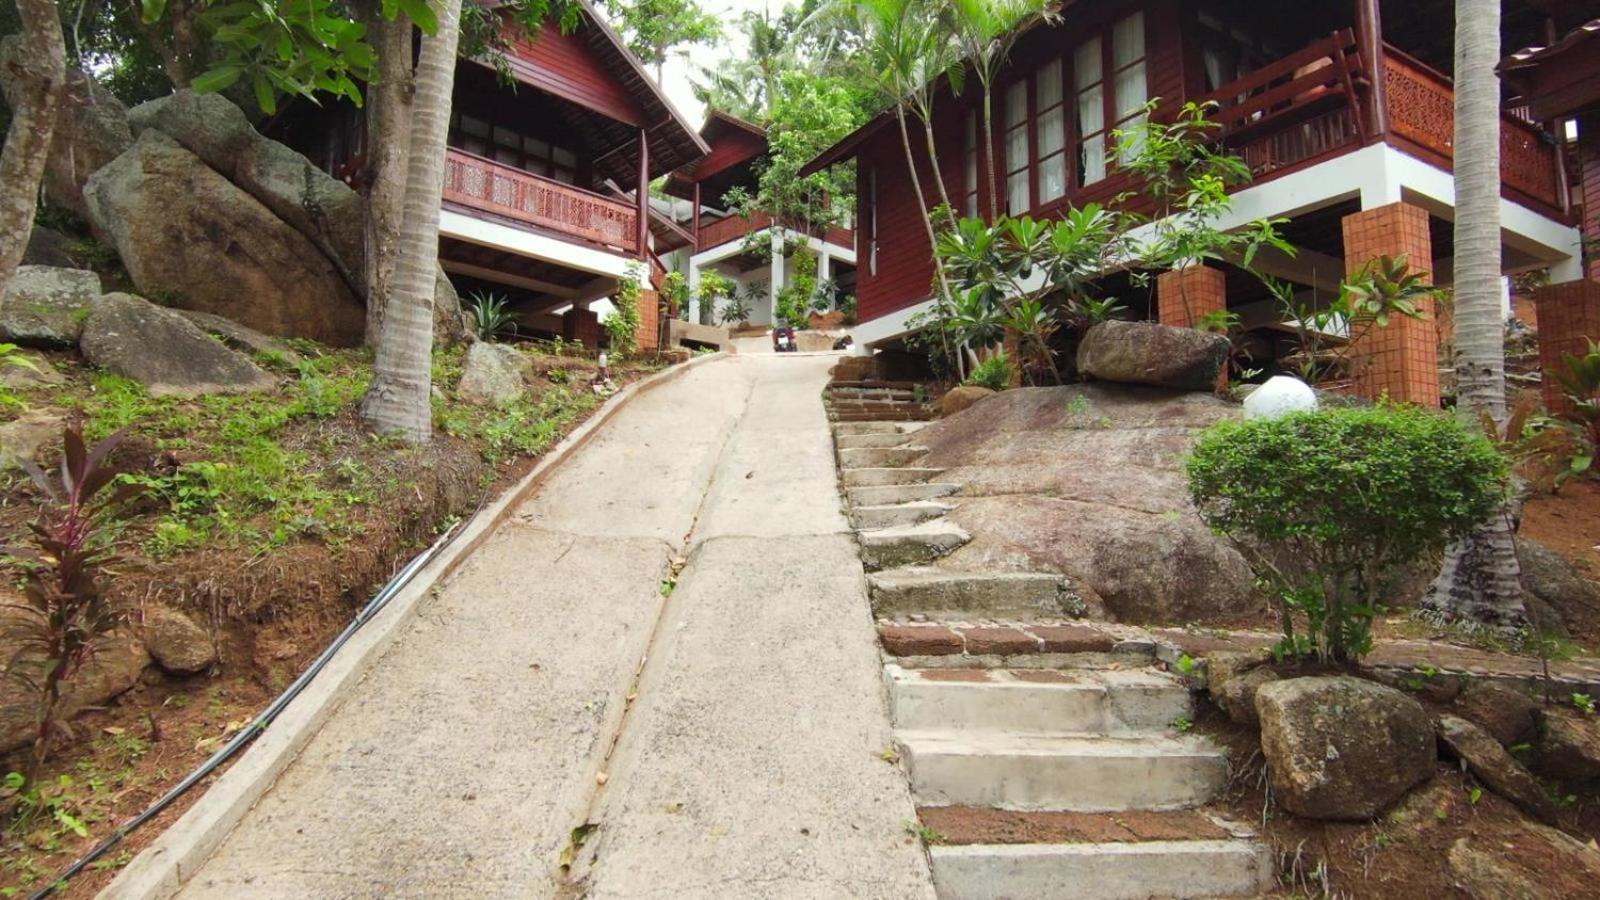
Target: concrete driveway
point(718, 738)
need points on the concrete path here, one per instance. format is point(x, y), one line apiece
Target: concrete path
point(747, 763)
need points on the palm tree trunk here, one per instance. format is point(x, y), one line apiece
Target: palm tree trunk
point(1481, 579)
point(927, 224)
point(933, 163)
point(988, 152)
point(38, 69)
point(399, 398)
point(388, 143)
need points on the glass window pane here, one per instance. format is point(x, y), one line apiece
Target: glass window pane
point(1048, 91)
point(474, 146)
point(507, 156)
point(1087, 67)
point(1017, 192)
point(565, 176)
point(475, 127)
point(1052, 177)
point(1092, 159)
point(1091, 111)
point(1052, 131)
point(563, 156)
point(1130, 148)
point(1127, 40)
point(1017, 103)
point(505, 137)
point(536, 147)
point(1131, 91)
point(1016, 149)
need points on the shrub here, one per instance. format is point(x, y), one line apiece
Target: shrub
point(993, 373)
point(622, 326)
point(1330, 506)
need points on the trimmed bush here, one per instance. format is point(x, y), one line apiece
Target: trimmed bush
point(1330, 506)
point(993, 373)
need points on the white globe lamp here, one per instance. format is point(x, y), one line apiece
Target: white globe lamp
point(1281, 395)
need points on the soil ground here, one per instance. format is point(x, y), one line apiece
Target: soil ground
point(273, 566)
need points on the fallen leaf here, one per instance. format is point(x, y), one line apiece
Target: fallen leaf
point(601, 778)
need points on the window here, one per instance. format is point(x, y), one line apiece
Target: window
point(1016, 142)
point(1051, 133)
point(870, 218)
point(969, 203)
point(509, 147)
point(1110, 93)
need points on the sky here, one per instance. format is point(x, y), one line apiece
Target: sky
point(675, 76)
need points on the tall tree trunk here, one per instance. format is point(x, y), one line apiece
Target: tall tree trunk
point(39, 71)
point(988, 152)
point(388, 145)
point(1481, 579)
point(933, 163)
point(399, 398)
point(927, 224)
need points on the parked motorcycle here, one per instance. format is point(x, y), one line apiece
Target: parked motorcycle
point(783, 340)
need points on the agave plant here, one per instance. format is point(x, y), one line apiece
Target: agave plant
point(490, 316)
point(66, 610)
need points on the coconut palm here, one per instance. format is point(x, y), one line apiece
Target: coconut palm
point(1481, 580)
point(985, 31)
point(399, 398)
point(37, 69)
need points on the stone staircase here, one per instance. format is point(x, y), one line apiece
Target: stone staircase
point(1047, 759)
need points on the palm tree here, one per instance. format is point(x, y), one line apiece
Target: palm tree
point(389, 136)
point(38, 70)
point(1481, 579)
point(985, 31)
point(932, 60)
point(399, 398)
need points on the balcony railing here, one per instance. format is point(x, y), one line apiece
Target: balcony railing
point(529, 199)
point(732, 228)
point(1316, 103)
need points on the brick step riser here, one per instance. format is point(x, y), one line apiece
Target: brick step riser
point(1078, 783)
point(1037, 708)
point(1103, 871)
point(880, 416)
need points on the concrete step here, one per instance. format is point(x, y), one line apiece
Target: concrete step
point(891, 515)
point(861, 441)
point(1102, 871)
point(1082, 773)
point(941, 593)
point(909, 545)
point(870, 415)
point(1097, 701)
point(879, 457)
point(844, 428)
point(868, 477)
point(884, 494)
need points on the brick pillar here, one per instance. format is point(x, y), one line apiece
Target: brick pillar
point(648, 335)
point(1569, 317)
point(1400, 360)
point(1184, 296)
point(581, 325)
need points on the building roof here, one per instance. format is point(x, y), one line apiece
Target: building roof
point(736, 145)
point(1559, 80)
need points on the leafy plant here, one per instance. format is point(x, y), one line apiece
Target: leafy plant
point(1579, 378)
point(1583, 703)
point(740, 303)
point(622, 326)
point(490, 316)
point(713, 288)
point(993, 373)
point(1330, 506)
point(1369, 298)
point(66, 611)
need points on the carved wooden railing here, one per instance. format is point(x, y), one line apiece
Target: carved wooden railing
point(1294, 109)
point(733, 228)
point(1422, 111)
point(491, 187)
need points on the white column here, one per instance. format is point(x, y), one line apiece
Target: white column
point(775, 283)
point(694, 290)
point(824, 265)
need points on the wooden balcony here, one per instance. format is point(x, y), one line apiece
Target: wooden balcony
point(1318, 103)
point(526, 199)
point(734, 228)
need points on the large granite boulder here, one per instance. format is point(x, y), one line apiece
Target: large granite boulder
point(323, 208)
point(1489, 762)
point(189, 234)
point(91, 129)
point(1558, 587)
point(160, 349)
point(493, 374)
point(960, 397)
point(1505, 713)
point(24, 438)
point(46, 307)
point(1088, 480)
point(1147, 353)
point(1523, 861)
point(176, 642)
point(114, 667)
point(1568, 747)
point(1342, 748)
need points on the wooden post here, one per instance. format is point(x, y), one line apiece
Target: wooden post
point(1369, 40)
point(644, 196)
point(694, 220)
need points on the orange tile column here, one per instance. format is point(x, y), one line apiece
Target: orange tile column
point(648, 335)
point(1184, 296)
point(1400, 360)
point(1569, 317)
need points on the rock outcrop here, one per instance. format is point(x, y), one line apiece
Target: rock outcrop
point(176, 643)
point(24, 437)
point(960, 397)
point(1489, 762)
point(1088, 480)
point(1342, 748)
point(91, 129)
point(1531, 862)
point(163, 351)
point(1158, 355)
point(1506, 714)
point(1569, 746)
point(114, 667)
point(186, 233)
point(493, 374)
point(46, 307)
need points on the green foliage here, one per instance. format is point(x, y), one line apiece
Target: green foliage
point(739, 304)
point(800, 295)
point(524, 427)
point(1369, 298)
point(622, 326)
point(653, 29)
point(1579, 378)
point(65, 610)
point(993, 373)
point(1329, 507)
point(675, 290)
point(490, 316)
